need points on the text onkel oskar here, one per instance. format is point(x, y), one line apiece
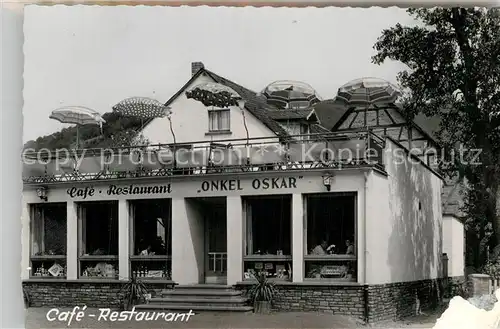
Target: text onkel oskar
point(219, 185)
point(89, 191)
point(274, 183)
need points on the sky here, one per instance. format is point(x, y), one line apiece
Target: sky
point(97, 56)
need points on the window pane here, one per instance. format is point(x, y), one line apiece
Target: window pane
point(212, 120)
point(278, 270)
point(304, 129)
point(48, 268)
point(299, 104)
point(333, 270)
point(152, 227)
point(155, 269)
point(49, 229)
point(293, 128)
point(269, 225)
point(218, 120)
point(99, 228)
point(99, 269)
point(330, 224)
point(224, 120)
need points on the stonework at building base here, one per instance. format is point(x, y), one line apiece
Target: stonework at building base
point(371, 303)
point(97, 293)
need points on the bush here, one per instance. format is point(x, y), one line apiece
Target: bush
point(492, 269)
point(457, 288)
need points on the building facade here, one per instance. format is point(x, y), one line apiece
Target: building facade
point(355, 233)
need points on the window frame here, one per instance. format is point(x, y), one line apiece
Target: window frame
point(271, 258)
point(335, 258)
point(82, 258)
point(45, 258)
point(219, 112)
point(133, 258)
point(298, 104)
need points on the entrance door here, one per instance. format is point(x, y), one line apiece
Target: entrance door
point(216, 244)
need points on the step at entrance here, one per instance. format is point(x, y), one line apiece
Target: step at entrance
point(199, 298)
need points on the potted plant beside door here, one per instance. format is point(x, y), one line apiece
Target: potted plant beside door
point(262, 293)
point(134, 292)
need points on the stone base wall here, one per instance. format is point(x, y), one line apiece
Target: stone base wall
point(95, 293)
point(370, 303)
point(399, 300)
point(337, 299)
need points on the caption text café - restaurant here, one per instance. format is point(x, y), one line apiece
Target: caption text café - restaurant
point(364, 229)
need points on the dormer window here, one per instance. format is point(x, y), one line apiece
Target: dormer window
point(295, 105)
point(298, 128)
point(219, 121)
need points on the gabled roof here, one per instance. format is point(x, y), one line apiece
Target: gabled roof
point(254, 104)
point(329, 113)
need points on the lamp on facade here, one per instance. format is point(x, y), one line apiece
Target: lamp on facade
point(42, 193)
point(327, 181)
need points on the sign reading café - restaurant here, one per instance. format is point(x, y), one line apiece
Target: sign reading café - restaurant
point(219, 185)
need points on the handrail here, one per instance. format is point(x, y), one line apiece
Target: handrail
point(45, 154)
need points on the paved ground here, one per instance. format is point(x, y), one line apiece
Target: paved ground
point(36, 318)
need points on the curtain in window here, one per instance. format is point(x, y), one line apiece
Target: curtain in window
point(54, 230)
point(37, 245)
point(82, 221)
point(218, 120)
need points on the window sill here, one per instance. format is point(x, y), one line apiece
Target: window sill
point(98, 258)
point(150, 258)
point(306, 282)
point(329, 258)
point(273, 280)
point(47, 277)
point(263, 258)
point(47, 257)
point(218, 132)
point(93, 280)
point(64, 280)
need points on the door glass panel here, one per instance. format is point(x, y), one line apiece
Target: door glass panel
point(217, 241)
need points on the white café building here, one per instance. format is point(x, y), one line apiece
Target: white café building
point(214, 219)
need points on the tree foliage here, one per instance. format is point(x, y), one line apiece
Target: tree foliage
point(453, 70)
point(117, 131)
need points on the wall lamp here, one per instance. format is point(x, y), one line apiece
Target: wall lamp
point(42, 193)
point(327, 181)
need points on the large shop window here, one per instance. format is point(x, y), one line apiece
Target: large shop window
point(330, 237)
point(48, 240)
point(268, 236)
point(151, 240)
point(98, 248)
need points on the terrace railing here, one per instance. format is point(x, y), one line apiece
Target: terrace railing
point(312, 151)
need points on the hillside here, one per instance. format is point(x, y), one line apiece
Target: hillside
point(117, 131)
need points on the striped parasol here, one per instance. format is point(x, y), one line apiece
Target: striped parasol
point(214, 94)
point(367, 92)
point(290, 94)
point(78, 115)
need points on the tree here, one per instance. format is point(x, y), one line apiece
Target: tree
point(453, 70)
point(117, 131)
